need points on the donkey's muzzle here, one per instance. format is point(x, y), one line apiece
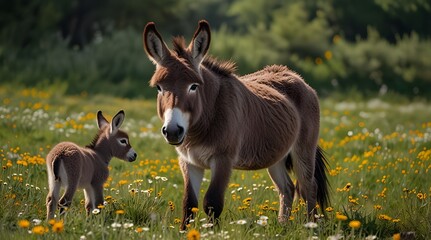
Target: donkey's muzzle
point(174, 135)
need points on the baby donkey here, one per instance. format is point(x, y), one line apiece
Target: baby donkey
point(73, 167)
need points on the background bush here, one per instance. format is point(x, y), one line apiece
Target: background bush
point(373, 46)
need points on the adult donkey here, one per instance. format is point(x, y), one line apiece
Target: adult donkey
point(221, 121)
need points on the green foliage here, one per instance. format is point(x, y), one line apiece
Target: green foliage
point(373, 46)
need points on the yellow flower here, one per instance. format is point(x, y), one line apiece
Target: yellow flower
point(195, 210)
point(38, 230)
point(58, 227)
point(24, 223)
point(119, 212)
point(193, 235)
point(341, 217)
point(329, 209)
point(396, 236)
point(355, 224)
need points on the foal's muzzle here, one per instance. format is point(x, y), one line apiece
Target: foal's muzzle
point(174, 135)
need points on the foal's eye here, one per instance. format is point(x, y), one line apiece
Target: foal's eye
point(123, 141)
point(193, 87)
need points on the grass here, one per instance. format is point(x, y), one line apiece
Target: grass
point(379, 153)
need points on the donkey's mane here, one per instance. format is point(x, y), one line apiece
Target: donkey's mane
point(224, 68)
point(95, 139)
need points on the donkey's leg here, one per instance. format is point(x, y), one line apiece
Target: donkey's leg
point(303, 166)
point(220, 175)
point(284, 185)
point(192, 183)
point(52, 198)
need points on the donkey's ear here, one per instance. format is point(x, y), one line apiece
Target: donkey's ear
point(101, 120)
point(153, 44)
point(117, 120)
point(201, 41)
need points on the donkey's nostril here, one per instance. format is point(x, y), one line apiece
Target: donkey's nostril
point(164, 131)
point(135, 155)
point(180, 131)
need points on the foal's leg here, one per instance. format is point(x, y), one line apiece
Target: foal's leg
point(66, 199)
point(89, 199)
point(284, 185)
point(192, 183)
point(221, 170)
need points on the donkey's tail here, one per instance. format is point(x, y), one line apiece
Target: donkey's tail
point(321, 179)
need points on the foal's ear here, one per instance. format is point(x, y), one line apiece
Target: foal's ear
point(154, 45)
point(101, 120)
point(201, 41)
point(117, 120)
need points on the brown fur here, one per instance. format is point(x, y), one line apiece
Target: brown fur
point(267, 119)
point(73, 167)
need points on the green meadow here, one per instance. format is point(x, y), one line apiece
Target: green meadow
point(378, 150)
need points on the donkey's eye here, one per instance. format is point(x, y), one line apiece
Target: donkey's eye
point(193, 87)
point(123, 141)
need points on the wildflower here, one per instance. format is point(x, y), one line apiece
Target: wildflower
point(384, 217)
point(116, 225)
point(36, 221)
point(329, 209)
point(193, 235)
point(96, 211)
point(355, 224)
point(421, 196)
point(128, 225)
point(58, 227)
point(310, 225)
point(241, 222)
point(207, 225)
point(38, 230)
point(23, 223)
point(263, 221)
point(396, 236)
point(177, 220)
point(139, 230)
point(341, 217)
point(119, 212)
point(371, 237)
point(378, 207)
point(335, 237)
point(195, 210)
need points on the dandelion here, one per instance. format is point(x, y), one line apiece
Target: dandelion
point(119, 212)
point(396, 236)
point(23, 223)
point(58, 227)
point(329, 209)
point(38, 230)
point(193, 235)
point(195, 210)
point(341, 217)
point(355, 224)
